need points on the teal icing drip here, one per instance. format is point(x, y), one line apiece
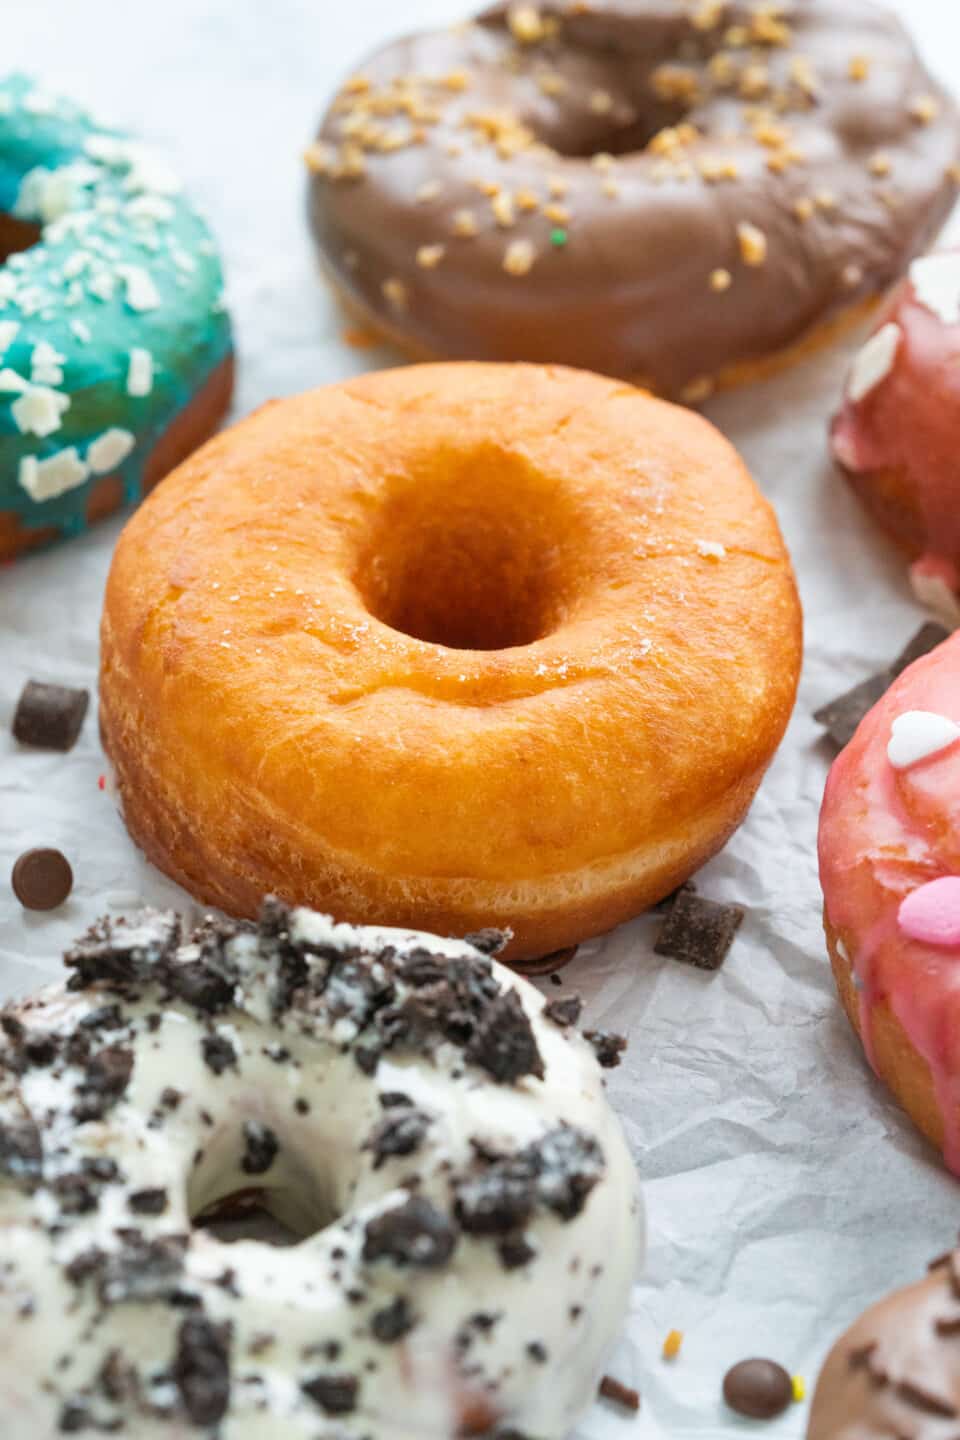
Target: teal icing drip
point(124, 264)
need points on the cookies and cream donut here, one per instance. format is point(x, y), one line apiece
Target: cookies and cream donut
point(896, 1371)
point(437, 1135)
point(890, 871)
point(115, 347)
point(679, 193)
point(450, 646)
point(894, 435)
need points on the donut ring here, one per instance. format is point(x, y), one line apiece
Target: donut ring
point(896, 1370)
point(437, 1136)
point(893, 435)
point(887, 830)
point(451, 646)
point(115, 347)
point(682, 195)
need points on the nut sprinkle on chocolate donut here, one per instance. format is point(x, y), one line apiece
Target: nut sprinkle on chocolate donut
point(402, 1103)
point(667, 190)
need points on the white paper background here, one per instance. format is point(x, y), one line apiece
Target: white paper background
point(784, 1190)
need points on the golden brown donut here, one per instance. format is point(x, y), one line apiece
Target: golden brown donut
point(450, 646)
point(896, 1372)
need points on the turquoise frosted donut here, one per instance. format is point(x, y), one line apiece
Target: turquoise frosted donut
point(115, 345)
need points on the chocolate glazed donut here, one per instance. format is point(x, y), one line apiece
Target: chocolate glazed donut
point(676, 191)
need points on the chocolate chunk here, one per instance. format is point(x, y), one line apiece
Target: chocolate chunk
point(488, 941)
point(120, 952)
point(609, 1047)
point(262, 1147)
point(334, 1394)
point(564, 1012)
point(218, 1053)
point(841, 717)
point(414, 1233)
point(928, 637)
point(201, 1369)
point(401, 1132)
point(148, 1202)
point(393, 1321)
point(42, 879)
point(760, 1389)
point(21, 1149)
point(699, 932)
point(200, 985)
point(623, 1395)
point(106, 1079)
point(504, 1043)
point(50, 717)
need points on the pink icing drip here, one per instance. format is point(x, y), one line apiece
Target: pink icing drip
point(883, 834)
point(909, 420)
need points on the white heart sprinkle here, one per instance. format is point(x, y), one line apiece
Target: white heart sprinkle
point(917, 734)
point(874, 362)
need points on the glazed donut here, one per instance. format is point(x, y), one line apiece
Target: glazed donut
point(437, 1136)
point(896, 1372)
point(682, 194)
point(889, 867)
point(894, 434)
point(115, 348)
point(449, 646)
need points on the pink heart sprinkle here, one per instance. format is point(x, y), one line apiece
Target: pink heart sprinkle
point(932, 913)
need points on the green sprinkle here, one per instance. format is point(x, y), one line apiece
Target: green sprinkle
point(559, 238)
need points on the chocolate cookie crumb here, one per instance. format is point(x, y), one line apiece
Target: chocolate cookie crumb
point(262, 1147)
point(201, 1369)
point(218, 1053)
point(148, 1202)
point(393, 1321)
point(334, 1394)
point(565, 1012)
point(400, 1132)
point(609, 1047)
point(504, 1043)
point(415, 1233)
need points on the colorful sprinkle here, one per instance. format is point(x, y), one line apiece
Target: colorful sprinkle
point(799, 1389)
point(672, 1344)
point(559, 238)
point(932, 913)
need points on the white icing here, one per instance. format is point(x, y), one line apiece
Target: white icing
point(298, 1295)
point(917, 734)
point(874, 362)
point(45, 479)
point(936, 285)
point(109, 450)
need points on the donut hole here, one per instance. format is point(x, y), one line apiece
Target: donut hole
point(470, 551)
point(294, 1205)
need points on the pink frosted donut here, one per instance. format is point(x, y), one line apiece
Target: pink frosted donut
point(890, 871)
point(895, 435)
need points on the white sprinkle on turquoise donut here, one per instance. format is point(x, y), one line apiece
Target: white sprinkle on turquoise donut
point(110, 324)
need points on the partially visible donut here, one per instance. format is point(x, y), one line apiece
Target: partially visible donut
point(895, 433)
point(896, 1371)
point(436, 1136)
point(115, 346)
point(680, 193)
point(890, 871)
point(450, 646)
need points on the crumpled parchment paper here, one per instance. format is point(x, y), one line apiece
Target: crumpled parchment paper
point(784, 1190)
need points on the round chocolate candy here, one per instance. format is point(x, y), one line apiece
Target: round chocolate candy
point(760, 1389)
point(42, 879)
